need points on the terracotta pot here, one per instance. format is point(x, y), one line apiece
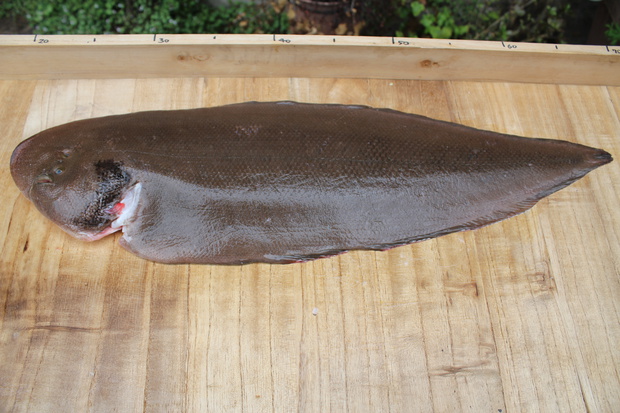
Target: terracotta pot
point(318, 6)
point(314, 16)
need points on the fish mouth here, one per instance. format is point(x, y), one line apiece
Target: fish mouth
point(124, 212)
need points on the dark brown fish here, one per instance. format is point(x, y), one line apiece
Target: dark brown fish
point(284, 182)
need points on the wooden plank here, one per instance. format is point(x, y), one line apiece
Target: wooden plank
point(147, 56)
point(522, 315)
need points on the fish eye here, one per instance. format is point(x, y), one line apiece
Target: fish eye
point(58, 170)
point(66, 153)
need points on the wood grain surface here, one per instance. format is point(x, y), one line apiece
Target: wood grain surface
point(523, 315)
point(269, 55)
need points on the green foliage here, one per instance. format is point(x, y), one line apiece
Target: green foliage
point(384, 17)
point(613, 33)
point(514, 20)
point(438, 23)
point(149, 16)
point(10, 8)
point(417, 8)
point(507, 20)
point(528, 21)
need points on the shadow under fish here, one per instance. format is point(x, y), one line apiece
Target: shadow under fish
point(284, 182)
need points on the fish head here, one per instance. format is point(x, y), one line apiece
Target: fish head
point(78, 188)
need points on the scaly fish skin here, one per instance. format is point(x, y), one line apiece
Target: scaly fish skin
point(284, 182)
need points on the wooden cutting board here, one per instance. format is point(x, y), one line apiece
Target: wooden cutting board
point(522, 315)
